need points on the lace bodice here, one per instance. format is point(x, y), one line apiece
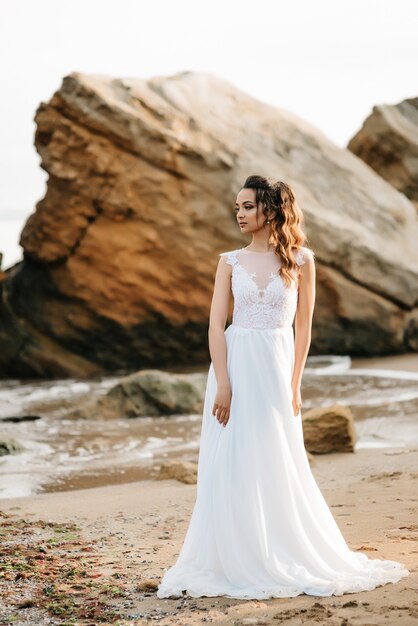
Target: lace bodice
point(261, 297)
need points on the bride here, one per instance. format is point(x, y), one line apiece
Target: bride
point(260, 526)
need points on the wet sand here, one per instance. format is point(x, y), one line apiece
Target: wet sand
point(135, 530)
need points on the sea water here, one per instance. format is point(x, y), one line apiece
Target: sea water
point(62, 454)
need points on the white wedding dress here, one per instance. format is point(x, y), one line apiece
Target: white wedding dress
point(260, 526)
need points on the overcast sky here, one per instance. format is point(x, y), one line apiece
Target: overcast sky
point(328, 61)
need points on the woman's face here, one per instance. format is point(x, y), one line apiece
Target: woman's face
point(246, 211)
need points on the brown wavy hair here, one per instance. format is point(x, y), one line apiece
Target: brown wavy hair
point(278, 201)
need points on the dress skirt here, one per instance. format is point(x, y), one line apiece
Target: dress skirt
point(260, 527)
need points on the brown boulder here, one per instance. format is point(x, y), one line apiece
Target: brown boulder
point(388, 142)
point(183, 471)
point(329, 429)
point(120, 254)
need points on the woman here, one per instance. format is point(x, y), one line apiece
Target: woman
point(260, 527)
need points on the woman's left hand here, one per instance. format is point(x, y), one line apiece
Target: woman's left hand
point(296, 399)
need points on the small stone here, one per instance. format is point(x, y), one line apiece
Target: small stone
point(148, 584)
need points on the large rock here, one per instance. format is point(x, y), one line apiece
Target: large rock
point(120, 254)
point(329, 429)
point(388, 142)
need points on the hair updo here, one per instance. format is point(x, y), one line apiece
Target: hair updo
point(278, 204)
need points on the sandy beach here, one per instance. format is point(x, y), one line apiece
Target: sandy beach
point(95, 556)
point(126, 535)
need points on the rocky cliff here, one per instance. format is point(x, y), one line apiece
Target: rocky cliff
point(388, 142)
point(120, 254)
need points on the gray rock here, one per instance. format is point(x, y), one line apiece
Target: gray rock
point(147, 393)
point(10, 446)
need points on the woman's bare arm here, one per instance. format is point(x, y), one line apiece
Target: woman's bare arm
point(303, 318)
point(217, 342)
point(218, 317)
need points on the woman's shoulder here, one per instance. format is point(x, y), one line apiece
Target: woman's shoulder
point(230, 256)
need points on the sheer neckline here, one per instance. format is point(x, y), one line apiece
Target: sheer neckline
point(257, 251)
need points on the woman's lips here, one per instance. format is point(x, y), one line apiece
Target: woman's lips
point(243, 223)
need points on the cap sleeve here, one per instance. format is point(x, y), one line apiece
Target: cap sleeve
point(231, 258)
point(303, 254)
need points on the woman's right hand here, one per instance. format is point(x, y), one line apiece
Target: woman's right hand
point(222, 403)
